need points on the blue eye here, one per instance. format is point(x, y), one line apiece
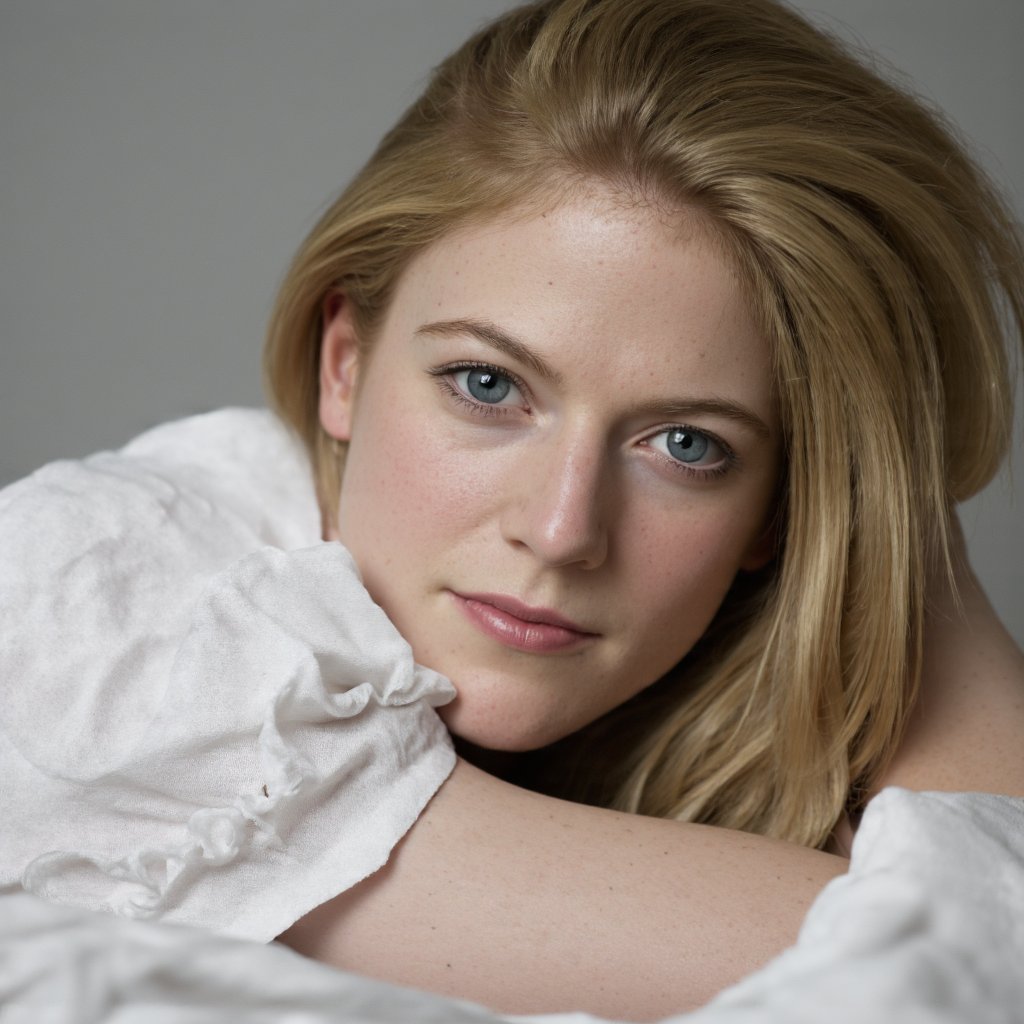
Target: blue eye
point(687, 445)
point(481, 389)
point(692, 449)
point(482, 385)
point(486, 385)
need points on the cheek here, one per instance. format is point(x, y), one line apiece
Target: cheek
point(685, 567)
point(408, 482)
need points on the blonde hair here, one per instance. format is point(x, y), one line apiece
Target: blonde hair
point(887, 276)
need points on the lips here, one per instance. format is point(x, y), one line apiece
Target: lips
point(521, 626)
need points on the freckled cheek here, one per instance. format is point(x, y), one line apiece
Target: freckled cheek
point(685, 567)
point(413, 478)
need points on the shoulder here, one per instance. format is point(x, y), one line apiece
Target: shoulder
point(967, 731)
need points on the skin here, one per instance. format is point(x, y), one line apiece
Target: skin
point(531, 905)
point(965, 734)
point(564, 494)
point(522, 902)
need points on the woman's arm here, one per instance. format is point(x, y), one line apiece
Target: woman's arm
point(532, 904)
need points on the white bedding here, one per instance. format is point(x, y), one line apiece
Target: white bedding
point(281, 741)
point(928, 926)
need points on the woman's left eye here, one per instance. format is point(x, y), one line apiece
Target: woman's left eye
point(692, 449)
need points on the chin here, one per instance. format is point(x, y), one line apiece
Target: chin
point(504, 733)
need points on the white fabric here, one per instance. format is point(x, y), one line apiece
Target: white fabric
point(928, 926)
point(203, 716)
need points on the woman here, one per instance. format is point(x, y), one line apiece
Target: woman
point(660, 337)
point(716, 199)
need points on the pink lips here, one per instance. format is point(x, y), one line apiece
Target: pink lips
point(535, 630)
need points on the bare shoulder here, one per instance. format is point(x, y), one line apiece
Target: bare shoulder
point(531, 904)
point(967, 732)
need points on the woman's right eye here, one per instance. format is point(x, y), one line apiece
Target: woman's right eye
point(482, 388)
point(484, 385)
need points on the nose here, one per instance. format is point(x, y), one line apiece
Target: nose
point(559, 506)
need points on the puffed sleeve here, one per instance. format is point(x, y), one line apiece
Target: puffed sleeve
point(204, 717)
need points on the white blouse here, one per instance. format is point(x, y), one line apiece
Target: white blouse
point(204, 717)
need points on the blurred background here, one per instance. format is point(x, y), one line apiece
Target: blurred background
point(162, 161)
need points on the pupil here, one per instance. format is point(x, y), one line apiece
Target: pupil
point(687, 446)
point(487, 386)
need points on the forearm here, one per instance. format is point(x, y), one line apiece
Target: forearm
point(530, 904)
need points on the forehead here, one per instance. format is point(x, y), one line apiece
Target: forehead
point(634, 245)
point(639, 285)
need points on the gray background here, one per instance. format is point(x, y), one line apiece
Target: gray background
point(161, 160)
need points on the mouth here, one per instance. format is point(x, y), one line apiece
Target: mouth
point(520, 626)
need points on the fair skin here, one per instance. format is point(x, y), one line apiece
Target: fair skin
point(551, 479)
point(526, 903)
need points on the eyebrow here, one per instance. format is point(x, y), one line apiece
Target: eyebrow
point(491, 334)
point(683, 408)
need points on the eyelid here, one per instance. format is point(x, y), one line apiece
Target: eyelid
point(445, 374)
point(728, 461)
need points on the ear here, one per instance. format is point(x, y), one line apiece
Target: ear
point(339, 366)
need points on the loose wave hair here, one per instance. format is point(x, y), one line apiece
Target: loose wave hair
point(886, 275)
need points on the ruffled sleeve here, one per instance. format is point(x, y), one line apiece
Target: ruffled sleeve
point(205, 718)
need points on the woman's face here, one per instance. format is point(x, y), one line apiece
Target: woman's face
point(562, 450)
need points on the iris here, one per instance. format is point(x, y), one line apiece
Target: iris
point(487, 386)
point(687, 446)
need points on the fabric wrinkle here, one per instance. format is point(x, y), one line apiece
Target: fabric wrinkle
point(223, 691)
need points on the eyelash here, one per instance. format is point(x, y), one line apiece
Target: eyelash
point(443, 375)
point(728, 462)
